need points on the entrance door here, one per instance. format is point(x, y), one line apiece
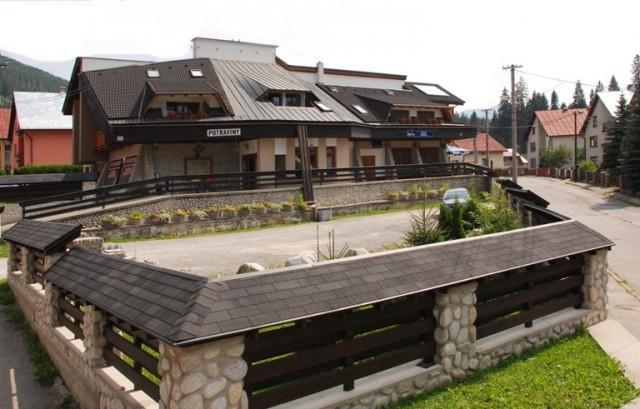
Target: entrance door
point(369, 160)
point(249, 165)
point(402, 156)
point(430, 155)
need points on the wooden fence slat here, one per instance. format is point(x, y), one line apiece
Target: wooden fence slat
point(131, 350)
point(71, 309)
point(72, 326)
point(139, 381)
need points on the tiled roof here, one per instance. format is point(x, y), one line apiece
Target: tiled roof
point(41, 110)
point(120, 90)
point(181, 309)
point(149, 297)
point(481, 141)
point(43, 236)
point(560, 122)
point(5, 113)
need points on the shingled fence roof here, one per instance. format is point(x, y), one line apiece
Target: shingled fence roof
point(43, 236)
point(183, 309)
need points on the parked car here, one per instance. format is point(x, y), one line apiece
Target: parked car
point(458, 195)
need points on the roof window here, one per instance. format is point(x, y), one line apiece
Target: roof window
point(359, 109)
point(431, 90)
point(322, 106)
point(153, 73)
point(197, 73)
point(334, 89)
point(389, 92)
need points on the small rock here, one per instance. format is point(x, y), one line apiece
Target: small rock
point(212, 370)
point(214, 388)
point(236, 370)
point(192, 383)
point(356, 252)
point(307, 257)
point(220, 403)
point(192, 402)
point(250, 268)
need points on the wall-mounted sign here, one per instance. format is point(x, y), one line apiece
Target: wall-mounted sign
point(419, 133)
point(213, 133)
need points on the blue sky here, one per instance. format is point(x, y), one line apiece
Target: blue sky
point(460, 44)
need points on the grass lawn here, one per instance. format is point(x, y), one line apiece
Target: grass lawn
point(571, 373)
point(4, 250)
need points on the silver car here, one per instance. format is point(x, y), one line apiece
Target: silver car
point(458, 195)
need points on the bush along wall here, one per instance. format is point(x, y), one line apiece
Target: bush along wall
point(38, 169)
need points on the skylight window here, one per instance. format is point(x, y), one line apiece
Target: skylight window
point(334, 89)
point(153, 73)
point(196, 73)
point(431, 90)
point(359, 109)
point(323, 107)
point(389, 92)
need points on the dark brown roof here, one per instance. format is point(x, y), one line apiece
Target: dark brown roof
point(190, 86)
point(149, 297)
point(182, 309)
point(120, 101)
point(43, 236)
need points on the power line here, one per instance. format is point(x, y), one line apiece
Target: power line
point(556, 79)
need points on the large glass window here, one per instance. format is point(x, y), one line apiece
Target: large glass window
point(183, 107)
point(292, 100)
point(276, 99)
point(399, 117)
point(426, 116)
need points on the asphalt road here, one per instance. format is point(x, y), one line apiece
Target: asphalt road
point(615, 219)
point(224, 253)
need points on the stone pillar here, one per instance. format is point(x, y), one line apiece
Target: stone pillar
point(92, 243)
point(50, 259)
point(594, 287)
point(11, 261)
point(94, 341)
point(51, 307)
point(27, 265)
point(203, 376)
point(455, 334)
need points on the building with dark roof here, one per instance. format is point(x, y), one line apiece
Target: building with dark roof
point(235, 107)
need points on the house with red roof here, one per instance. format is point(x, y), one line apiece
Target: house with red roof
point(483, 143)
point(5, 113)
point(552, 129)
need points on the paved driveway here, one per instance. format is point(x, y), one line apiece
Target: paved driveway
point(224, 253)
point(618, 221)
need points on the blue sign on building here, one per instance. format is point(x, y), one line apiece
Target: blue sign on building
point(419, 133)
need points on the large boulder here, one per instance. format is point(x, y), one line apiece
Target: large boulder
point(306, 257)
point(250, 268)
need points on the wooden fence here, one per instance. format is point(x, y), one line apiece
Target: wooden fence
point(295, 360)
point(222, 182)
point(521, 296)
point(71, 313)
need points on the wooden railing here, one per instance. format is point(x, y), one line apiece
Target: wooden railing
point(519, 297)
point(71, 314)
point(134, 353)
point(221, 182)
point(297, 359)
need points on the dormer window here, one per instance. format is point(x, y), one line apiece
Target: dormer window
point(196, 73)
point(292, 100)
point(276, 99)
point(153, 73)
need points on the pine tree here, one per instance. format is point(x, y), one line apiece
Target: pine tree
point(563, 106)
point(502, 125)
point(578, 97)
point(554, 100)
point(635, 72)
point(615, 133)
point(630, 146)
point(473, 120)
point(592, 95)
point(599, 87)
point(613, 84)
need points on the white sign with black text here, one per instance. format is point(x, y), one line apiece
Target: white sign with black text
point(212, 133)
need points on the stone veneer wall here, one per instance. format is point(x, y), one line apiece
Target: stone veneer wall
point(594, 287)
point(203, 376)
point(78, 361)
point(325, 195)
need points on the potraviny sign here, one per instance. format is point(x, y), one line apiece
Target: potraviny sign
point(213, 133)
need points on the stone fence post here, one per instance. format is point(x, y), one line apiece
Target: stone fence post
point(94, 322)
point(51, 306)
point(27, 265)
point(594, 287)
point(207, 376)
point(455, 335)
point(11, 261)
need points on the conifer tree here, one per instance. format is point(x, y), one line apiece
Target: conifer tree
point(630, 146)
point(613, 84)
point(635, 72)
point(615, 133)
point(599, 87)
point(592, 95)
point(563, 106)
point(578, 97)
point(554, 100)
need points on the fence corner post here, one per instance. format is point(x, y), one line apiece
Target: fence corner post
point(51, 306)
point(94, 321)
point(206, 375)
point(11, 261)
point(455, 335)
point(594, 288)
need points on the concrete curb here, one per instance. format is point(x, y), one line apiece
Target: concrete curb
point(621, 345)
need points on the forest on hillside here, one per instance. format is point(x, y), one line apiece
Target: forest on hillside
point(15, 76)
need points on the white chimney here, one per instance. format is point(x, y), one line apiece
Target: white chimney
point(233, 50)
point(320, 72)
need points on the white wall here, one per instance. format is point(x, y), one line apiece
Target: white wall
point(233, 50)
point(603, 116)
point(93, 63)
point(351, 81)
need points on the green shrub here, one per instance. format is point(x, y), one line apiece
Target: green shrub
point(555, 158)
point(136, 215)
point(199, 214)
point(587, 166)
point(302, 206)
point(500, 216)
point(393, 196)
point(37, 169)
point(424, 229)
point(450, 221)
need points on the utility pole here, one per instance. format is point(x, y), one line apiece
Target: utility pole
point(514, 123)
point(475, 148)
point(486, 130)
point(575, 145)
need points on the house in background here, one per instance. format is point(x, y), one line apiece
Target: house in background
point(236, 106)
point(495, 148)
point(5, 113)
point(508, 157)
point(602, 112)
point(553, 128)
point(40, 134)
